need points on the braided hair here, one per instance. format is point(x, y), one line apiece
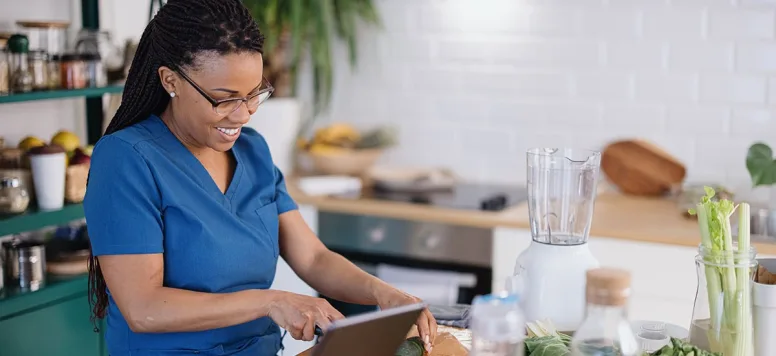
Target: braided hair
point(180, 31)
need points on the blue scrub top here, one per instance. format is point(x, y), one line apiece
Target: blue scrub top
point(149, 194)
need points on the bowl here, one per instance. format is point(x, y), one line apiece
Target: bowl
point(344, 162)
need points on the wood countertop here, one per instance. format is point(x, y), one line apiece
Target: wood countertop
point(616, 216)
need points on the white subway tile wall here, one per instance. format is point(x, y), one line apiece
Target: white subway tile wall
point(472, 84)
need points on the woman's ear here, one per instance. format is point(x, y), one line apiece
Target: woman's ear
point(168, 78)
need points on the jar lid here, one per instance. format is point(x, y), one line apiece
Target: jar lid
point(10, 182)
point(18, 43)
point(70, 57)
point(38, 53)
point(608, 286)
point(653, 335)
point(91, 56)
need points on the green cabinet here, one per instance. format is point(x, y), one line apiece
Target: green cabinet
point(61, 329)
point(53, 321)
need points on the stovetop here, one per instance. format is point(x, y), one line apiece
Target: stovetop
point(466, 196)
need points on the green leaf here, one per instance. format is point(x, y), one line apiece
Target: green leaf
point(761, 164)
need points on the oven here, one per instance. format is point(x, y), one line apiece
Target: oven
point(440, 263)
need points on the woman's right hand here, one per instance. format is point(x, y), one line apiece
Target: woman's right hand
point(299, 314)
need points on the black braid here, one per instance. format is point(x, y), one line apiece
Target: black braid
point(180, 31)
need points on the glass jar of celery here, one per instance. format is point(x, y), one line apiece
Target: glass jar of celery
point(722, 314)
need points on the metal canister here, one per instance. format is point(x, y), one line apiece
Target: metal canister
point(25, 263)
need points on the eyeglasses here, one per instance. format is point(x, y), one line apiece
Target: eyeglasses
point(227, 106)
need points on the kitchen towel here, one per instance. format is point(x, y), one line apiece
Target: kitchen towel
point(451, 315)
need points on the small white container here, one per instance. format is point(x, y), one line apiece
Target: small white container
point(48, 175)
point(764, 312)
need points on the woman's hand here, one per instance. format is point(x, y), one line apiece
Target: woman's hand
point(299, 314)
point(427, 326)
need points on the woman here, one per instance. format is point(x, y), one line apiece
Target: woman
point(187, 214)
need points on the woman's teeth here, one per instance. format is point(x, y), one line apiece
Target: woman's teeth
point(229, 132)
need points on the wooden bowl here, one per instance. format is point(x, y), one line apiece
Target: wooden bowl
point(345, 162)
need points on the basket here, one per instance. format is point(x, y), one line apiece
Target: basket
point(346, 162)
point(75, 182)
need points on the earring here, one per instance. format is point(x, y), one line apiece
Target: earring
point(172, 94)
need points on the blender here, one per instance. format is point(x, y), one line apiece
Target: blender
point(549, 275)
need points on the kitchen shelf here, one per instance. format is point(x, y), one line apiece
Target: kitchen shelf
point(35, 220)
point(60, 94)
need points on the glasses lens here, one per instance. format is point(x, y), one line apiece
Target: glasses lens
point(257, 100)
point(227, 107)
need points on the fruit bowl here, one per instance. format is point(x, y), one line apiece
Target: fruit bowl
point(352, 162)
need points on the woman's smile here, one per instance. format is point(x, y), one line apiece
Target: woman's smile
point(229, 133)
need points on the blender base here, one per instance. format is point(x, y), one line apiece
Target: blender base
point(550, 280)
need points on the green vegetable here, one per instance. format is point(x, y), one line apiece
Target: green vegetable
point(727, 272)
point(544, 340)
point(761, 165)
point(678, 347)
point(411, 347)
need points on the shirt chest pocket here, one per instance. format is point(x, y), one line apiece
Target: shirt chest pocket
point(265, 222)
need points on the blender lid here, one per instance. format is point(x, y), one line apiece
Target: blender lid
point(653, 335)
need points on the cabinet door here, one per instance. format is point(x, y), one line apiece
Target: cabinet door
point(62, 329)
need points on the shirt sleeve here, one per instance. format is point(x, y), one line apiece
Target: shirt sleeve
point(122, 203)
point(284, 201)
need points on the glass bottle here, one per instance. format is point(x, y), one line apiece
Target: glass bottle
point(14, 198)
point(605, 330)
point(5, 75)
point(38, 64)
point(21, 77)
point(725, 325)
point(497, 325)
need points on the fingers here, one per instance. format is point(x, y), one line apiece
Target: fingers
point(432, 325)
point(308, 330)
point(424, 330)
point(333, 314)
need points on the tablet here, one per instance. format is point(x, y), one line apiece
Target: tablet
point(376, 333)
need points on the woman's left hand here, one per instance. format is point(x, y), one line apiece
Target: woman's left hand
point(427, 325)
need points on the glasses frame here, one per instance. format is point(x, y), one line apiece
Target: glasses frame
point(268, 88)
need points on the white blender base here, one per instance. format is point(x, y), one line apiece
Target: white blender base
point(550, 281)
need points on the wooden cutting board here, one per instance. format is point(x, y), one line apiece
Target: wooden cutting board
point(445, 343)
point(638, 167)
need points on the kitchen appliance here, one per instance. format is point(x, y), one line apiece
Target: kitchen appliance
point(447, 263)
point(25, 264)
point(549, 275)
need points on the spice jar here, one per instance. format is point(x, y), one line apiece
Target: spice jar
point(73, 71)
point(37, 61)
point(5, 80)
point(21, 77)
point(96, 75)
point(14, 198)
point(53, 71)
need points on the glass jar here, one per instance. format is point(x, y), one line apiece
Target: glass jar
point(73, 71)
point(48, 36)
point(497, 326)
point(95, 71)
point(53, 71)
point(5, 66)
point(605, 330)
point(21, 77)
point(38, 62)
point(722, 313)
point(14, 198)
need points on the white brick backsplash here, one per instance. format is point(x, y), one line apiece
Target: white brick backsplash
point(698, 120)
point(543, 117)
point(753, 123)
point(520, 85)
point(673, 22)
point(610, 23)
point(707, 56)
point(536, 54)
point(756, 57)
point(634, 119)
point(732, 89)
point(636, 55)
point(772, 90)
point(484, 16)
point(553, 21)
point(607, 86)
point(661, 87)
point(741, 24)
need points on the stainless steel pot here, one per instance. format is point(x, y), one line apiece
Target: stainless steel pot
point(25, 264)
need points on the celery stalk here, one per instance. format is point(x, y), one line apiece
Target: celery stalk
point(727, 274)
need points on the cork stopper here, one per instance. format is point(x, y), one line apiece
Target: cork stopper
point(608, 286)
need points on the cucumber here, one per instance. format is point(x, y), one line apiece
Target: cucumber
point(411, 347)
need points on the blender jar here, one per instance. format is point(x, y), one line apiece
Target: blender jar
point(561, 194)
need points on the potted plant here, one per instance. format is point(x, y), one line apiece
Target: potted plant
point(762, 168)
point(298, 30)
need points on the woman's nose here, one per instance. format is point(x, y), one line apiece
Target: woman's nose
point(241, 115)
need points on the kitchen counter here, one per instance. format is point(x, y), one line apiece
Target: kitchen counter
point(616, 216)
